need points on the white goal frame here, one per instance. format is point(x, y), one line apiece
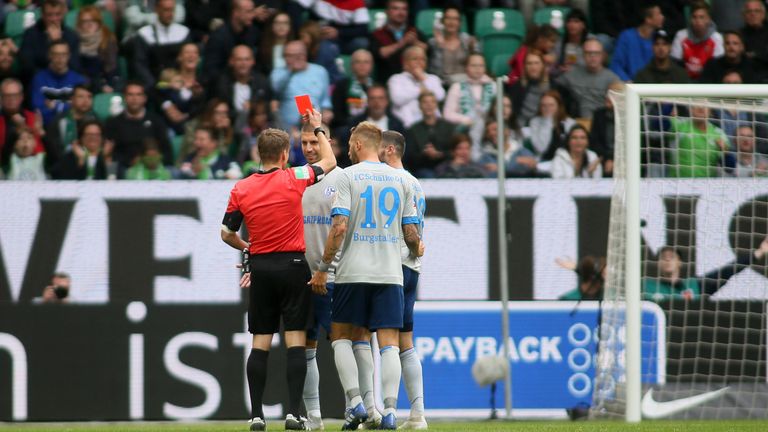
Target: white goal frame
point(632, 104)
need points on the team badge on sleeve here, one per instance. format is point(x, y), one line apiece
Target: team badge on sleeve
point(301, 173)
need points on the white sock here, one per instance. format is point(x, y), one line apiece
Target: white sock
point(390, 377)
point(414, 384)
point(312, 384)
point(347, 369)
point(364, 359)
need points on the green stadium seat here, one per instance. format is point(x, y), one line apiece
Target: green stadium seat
point(500, 65)
point(544, 16)
point(499, 44)
point(425, 21)
point(70, 19)
point(505, 21)
point(377, 18)
point(18, 21)
point(176, 143)
point(106, 105)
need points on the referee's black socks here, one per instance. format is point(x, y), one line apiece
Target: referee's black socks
point(296, 371)
point(256, 370)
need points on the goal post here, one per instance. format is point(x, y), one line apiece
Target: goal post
point(619, 379)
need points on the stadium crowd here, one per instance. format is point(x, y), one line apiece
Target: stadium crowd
point(181, 89)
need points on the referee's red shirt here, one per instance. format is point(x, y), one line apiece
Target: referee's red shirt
point(270, 205)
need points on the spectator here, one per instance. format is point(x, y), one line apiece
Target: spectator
point(8, 66)
point(273, 42)
point(460, 164)
point(587, 84)
point(24, 164)
point(546, 131)
point(727, 13)
point(58, 291)
point(576, 32)
point(204, 16)
point(576, 160)
point(670, 283)
point(469, 99)
point(526, 93)
point(300, 77)
point(98, 50)
point(136, 123)
point(62, 130)
point(518, 160)
point(149, 166)
point(258, 121)
point(90, 155)
point(428, 139)
point(237, 30)
point(701, 146)
point(662, 69)
point(178, 93)
point(140, 13)
point(321, 51)
point(33, 53)
point(253, 163)
point(345, 23)
point(602, 134)
point(735, 59)
point(207, 162)
point(748, 162)
point(591, 271)
point(242, 85)
point(755, 30)
point(378, 113)
point(729, 118)
point(350, 94)
point(450, 48)
point(389, 42)
point(14, 115)
point(698, 43)
point(218, 119)
point(405, 87)
point(634, 47)
point(51, 88)
point(158, 44)
point(543, 39)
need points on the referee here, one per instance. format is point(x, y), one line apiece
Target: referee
point(269, 201)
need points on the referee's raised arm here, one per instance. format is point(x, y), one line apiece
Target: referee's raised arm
point(327, 159)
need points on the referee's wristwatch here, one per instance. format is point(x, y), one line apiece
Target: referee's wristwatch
point(318, 130)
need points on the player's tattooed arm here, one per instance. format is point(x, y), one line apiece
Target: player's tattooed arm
point(335, 237)
point(412, 239)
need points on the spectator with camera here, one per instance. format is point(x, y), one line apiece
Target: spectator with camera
point(591, 271)
point(52, 88)
point(58, 291)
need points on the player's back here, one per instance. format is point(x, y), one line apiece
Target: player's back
point(378, 201)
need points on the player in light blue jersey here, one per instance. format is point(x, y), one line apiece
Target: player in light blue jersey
point(316, 205)
point(373, 212)
point(391, 153)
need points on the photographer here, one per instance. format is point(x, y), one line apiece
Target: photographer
point(58, 291)
point(52, 88)
point(591, 271)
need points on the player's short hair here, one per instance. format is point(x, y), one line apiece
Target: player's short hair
point(272, 143)
point(308, 128)
point(368, 133)
point(395, 138)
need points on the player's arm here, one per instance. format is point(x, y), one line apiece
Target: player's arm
point(327, 159)
point(335, 238)
point(412, 240)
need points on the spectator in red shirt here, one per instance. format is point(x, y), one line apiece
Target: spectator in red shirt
point(698, 43)
point(269, 202)
point(543, 39)
point(390, 41)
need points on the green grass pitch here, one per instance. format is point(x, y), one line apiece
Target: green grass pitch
point(480, 426)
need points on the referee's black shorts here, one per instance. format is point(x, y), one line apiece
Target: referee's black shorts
point(279, 288)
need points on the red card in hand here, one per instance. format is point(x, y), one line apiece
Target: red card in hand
point(303, 103)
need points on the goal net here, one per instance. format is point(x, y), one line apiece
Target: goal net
point(688, 227)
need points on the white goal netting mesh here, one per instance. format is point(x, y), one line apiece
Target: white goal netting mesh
point(704, 221)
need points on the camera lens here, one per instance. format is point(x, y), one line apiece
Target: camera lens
point(61, 292)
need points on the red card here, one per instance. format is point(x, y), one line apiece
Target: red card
point(303, 103)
